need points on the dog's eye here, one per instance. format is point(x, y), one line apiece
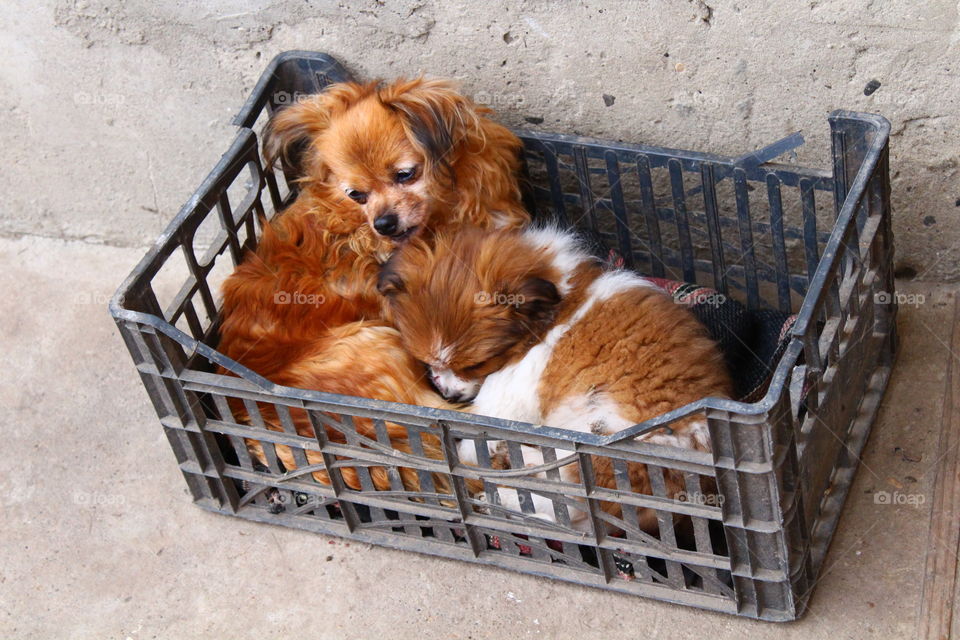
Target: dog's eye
point(357, 196)
point(475, 369)
point(405, 175)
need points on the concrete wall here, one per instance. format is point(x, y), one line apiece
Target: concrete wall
point(112, 112)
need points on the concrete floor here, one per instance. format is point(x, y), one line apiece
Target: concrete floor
point(100, 539)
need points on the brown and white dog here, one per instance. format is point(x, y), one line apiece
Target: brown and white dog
point(529, 327)
point(382, 164)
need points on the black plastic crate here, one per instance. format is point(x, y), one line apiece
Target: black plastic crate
point(773, 235)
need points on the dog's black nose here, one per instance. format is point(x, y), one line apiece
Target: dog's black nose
point(386, 225)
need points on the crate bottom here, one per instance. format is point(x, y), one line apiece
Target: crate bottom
point(520, 564)
point(823, 532)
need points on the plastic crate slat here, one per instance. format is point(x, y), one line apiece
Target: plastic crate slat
point(586, 189)
point(682, 222)
point(782, 269)
point(650, 215)
point(747, 252)
point(714, 232)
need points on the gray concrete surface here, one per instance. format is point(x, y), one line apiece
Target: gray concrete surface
point(99, 539)
point(111, 112)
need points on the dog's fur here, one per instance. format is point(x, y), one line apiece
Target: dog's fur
point(531, 328)
point(340, 362)
point(303, 309)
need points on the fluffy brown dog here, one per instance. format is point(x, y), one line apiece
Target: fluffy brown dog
point(529, 327)
point(357, 358)
point(381, 164)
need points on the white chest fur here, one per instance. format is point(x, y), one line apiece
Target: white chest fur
point(511, 392)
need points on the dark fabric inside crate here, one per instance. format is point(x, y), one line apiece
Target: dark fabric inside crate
point(751, 340)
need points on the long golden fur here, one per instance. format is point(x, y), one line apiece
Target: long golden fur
point(612, 350)
point(303, 309)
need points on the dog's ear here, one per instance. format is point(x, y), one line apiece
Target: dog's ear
point(536, 301)
point(436, 118)
point(389, 280)
point(291, 130)
point(403, 268)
